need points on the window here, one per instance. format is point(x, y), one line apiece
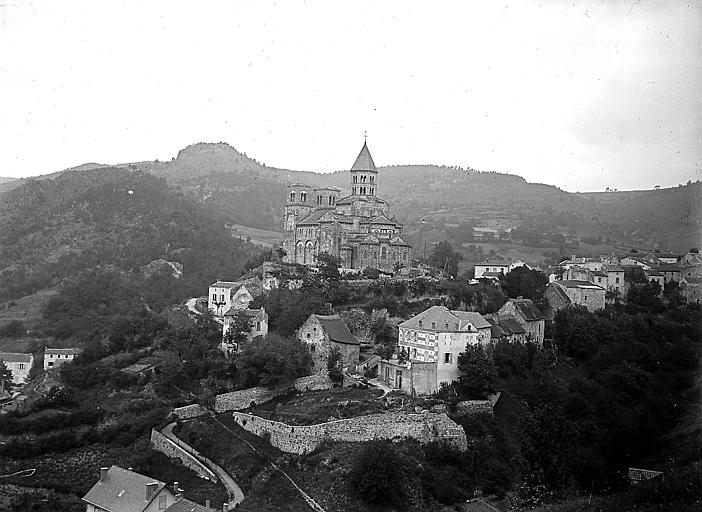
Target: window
point(330, 200)
point(309, 335)
point(371, 191)
point(446, 325)
point(292, 197)
point(214, 297)
point(353, 191)
point(21, 366)
point(312, 347)
point(447, 358)
point(420, 323)
point(616, 280)
point(221, 298)
point(414, 352)
point(433, 325)
point(258, 326)
point(303, 197)
point(372, 179)
point(355, 179)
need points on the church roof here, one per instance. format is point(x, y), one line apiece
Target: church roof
point(351, 199)
point(396, 240)
point(312, 218)
point(364, 160)
point(382, 219)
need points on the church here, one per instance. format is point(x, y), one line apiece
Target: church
point(357, 229)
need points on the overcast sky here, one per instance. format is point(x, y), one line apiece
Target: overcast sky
point(581, 95)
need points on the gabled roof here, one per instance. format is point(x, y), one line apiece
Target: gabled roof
point(232, 311)
point(692, 280)
point(440, 316)
point(559, 291)
point(63, 351)
point(225, 284)
point(612, 268)
point(15, 357)
point(527, 309)
point(573, 283)
point(510, 326)
point(493, 263)
point(183, 505)
point(396, 240)
point(364, 160)
point(122, 491)
point(474, 318)
point(312, 218)
point(336, 329)
point(382, 219)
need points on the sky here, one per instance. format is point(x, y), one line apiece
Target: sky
point(581, 95)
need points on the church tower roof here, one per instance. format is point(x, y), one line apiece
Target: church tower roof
point(364, 160)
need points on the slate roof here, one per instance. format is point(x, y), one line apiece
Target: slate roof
point(471, 316)
point(63, 351)
point(634, 274)
point(312, 218)
point(612, 268)
point(351, 199)
point(493, 263)
point(248, 312)
point(122, 491)
point(573, 283)
point(510, 326)
point(15, 357)
point(364, 160)
point(440, 315)
point(183, 505)
point(477, 505)
point(560, 291)
point(528, 309)
point(225, 284)
point(337, 329)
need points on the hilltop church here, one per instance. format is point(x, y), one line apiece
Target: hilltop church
point(357, 229)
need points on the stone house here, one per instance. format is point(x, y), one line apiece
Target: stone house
point(507, 329)
point(525, 312)
point(322, 333)
point(258, 320)
point(122, 490)
point(589, 263)
point(691, 288)
point(561, 294)
point(615, 277)
point(639, 261)
point(431, 342)
point(54, 357)
point(692, 258)
point(19, 364)
point(655, 276)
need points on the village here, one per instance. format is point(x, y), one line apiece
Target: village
point(399, 349)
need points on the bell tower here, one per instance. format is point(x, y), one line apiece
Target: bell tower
point(364, 175)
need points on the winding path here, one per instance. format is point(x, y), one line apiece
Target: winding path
point(236, 495)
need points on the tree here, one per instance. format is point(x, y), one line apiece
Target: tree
point(375, 474)
point(273, 360)
point(6, 378)
point(444, 256)
point(239, 329)
point(335, 363)
point(478, 371)
point(525, 282)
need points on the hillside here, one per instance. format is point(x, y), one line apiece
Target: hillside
point(56, 229)
point(244, 191)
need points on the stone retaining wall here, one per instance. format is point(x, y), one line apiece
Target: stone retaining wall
point(468, 407)
point(313, 382)
point(190, 411)
point(237, 400)
point(169, 448)
point(425, 428)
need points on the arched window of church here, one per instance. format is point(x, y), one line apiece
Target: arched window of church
point(292, 197)
point(371, 192)
point(355, 178)
point(383, 252)
point(303, 197)
point(372, 179)
point(353, 191)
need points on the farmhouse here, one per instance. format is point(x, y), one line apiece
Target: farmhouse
point(258, 322)
point(19, 364)
point(561, 294)
point(322, 333)
point(525, 312)
point(54, 357)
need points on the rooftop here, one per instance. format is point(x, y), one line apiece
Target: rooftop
point(527, 309)
point(445, 320)
point(15, 357)
point(336, 329)
point(364, 160)
point(63, 351)
point(183, 505)
point(572, 283)
point(122, 490)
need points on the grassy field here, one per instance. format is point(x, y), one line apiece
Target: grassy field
point(260, 237)
point(26, 309)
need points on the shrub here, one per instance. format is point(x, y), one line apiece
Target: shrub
point(375, 474)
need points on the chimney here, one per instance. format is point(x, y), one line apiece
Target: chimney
point(150, 489)
point(225, 507)
point(103, 474)
point(207, 504)
point(572, 257)
point(177, 491)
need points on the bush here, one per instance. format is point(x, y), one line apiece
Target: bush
point(375, 474)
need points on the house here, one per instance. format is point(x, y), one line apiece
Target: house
point(224, 295)
point(258, 320)
point(615, 277)
point(691, 288)
point(431, 343)
point(484, 233)
point(639, 261)
point(122, 490)
point(634, 275)
point(525, 312)
point(183, 505)
point(655, 276)
point(662, 257)
point(19, 364)
point(322, 333)
point(494, 268)
point(581, 261)
point(670, 272)
point(55, 356)
point(507, 329)
point(561, 294)
point(692, 258)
